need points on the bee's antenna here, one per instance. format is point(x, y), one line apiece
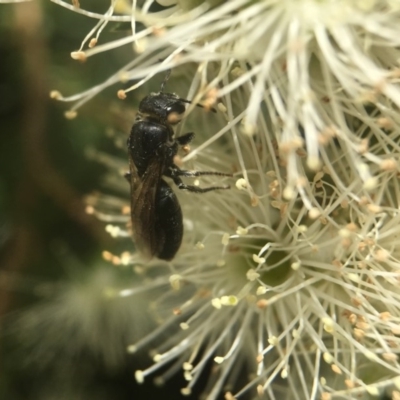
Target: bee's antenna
point(168, 74)
point(198, 105)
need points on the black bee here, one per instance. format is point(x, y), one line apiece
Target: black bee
point(155, 211)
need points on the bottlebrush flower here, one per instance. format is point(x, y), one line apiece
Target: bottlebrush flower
point(286, 285)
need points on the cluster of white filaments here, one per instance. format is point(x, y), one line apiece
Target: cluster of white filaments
point(289, 282)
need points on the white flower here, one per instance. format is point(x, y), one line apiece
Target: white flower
point(287, 283)
point(86, 313)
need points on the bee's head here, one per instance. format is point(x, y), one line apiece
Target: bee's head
point(166, 107)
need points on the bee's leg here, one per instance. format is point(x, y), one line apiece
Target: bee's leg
point(178, 182)
point(192, 174)
point(185, 139)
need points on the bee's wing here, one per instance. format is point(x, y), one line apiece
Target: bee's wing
point(143, 207)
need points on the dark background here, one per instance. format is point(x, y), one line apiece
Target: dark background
point(44, 176)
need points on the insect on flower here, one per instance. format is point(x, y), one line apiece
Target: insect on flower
point(155, 211)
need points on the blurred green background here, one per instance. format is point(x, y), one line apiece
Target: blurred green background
point(48, 244)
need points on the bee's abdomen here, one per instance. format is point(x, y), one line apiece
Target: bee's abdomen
point(169, 226)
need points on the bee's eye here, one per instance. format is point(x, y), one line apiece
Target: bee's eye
point(177, 108)
point(175, 113)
